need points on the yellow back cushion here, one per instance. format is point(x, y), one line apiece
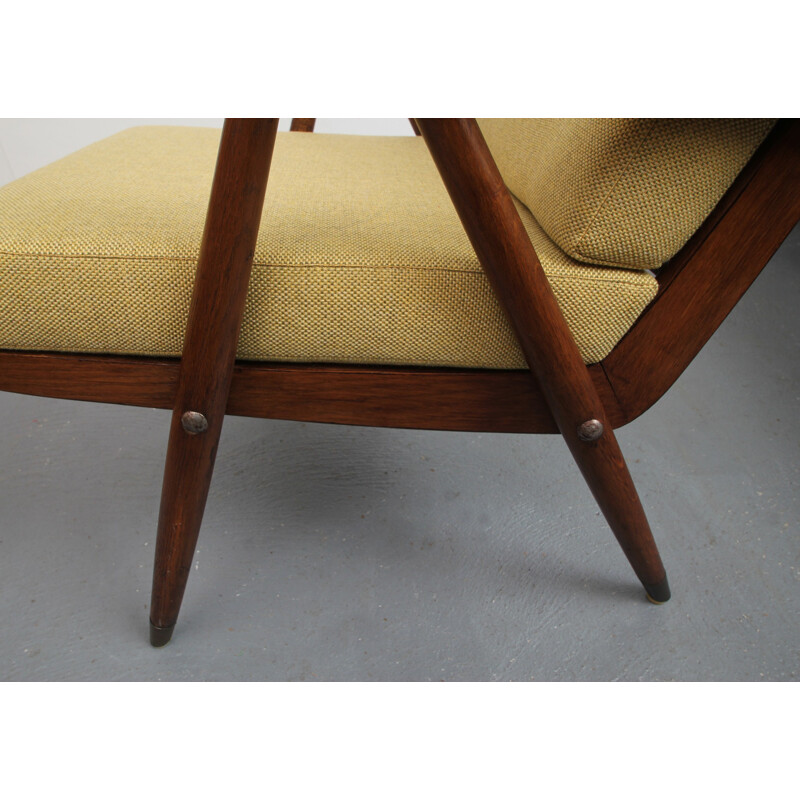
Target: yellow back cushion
point(622, 192)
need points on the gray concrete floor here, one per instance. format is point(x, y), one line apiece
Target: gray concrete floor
point(341, 554)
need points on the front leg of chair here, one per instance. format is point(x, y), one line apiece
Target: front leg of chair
point(209, 351)
point(191, 452)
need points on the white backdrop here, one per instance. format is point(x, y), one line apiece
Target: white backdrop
point(27, 144)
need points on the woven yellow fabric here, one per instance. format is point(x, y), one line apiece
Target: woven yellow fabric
point(360, 258)
point(622, 192)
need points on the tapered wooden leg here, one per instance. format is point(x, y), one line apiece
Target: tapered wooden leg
point(501, 242)
point(187, 477)
point(209, 351)
point(604, 468)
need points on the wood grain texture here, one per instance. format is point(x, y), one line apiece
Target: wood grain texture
point(504, 249)
point(209, 350)
point(392, 397)
point(501, 401)
point(126, 380)
point(303, 125)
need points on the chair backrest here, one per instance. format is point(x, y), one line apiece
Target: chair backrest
point(622, 192)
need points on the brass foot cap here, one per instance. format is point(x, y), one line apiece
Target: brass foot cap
point(160, 636)
point(655, 602)
point(658, 593)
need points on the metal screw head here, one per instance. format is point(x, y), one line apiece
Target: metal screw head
point(194, 422)
point(590, 431)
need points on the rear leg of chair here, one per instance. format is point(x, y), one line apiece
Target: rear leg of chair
point(604, 468)
point(187, 476)
point(504, 248)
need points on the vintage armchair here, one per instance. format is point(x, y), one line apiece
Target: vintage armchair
point(592, 261)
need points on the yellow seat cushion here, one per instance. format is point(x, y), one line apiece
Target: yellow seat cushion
point(360, 258)
point(622, 192)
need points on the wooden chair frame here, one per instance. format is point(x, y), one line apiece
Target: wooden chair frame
point(697, 289)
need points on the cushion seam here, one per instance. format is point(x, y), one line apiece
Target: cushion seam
point(627, 280)
point(576, 247)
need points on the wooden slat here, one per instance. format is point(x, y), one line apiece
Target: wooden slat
point(507, 401)
point(123, 380)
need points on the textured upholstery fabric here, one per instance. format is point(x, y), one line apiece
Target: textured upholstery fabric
point(360, 258)
point(622, 192)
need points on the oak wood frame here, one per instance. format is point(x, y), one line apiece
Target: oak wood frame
point(697, 290)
